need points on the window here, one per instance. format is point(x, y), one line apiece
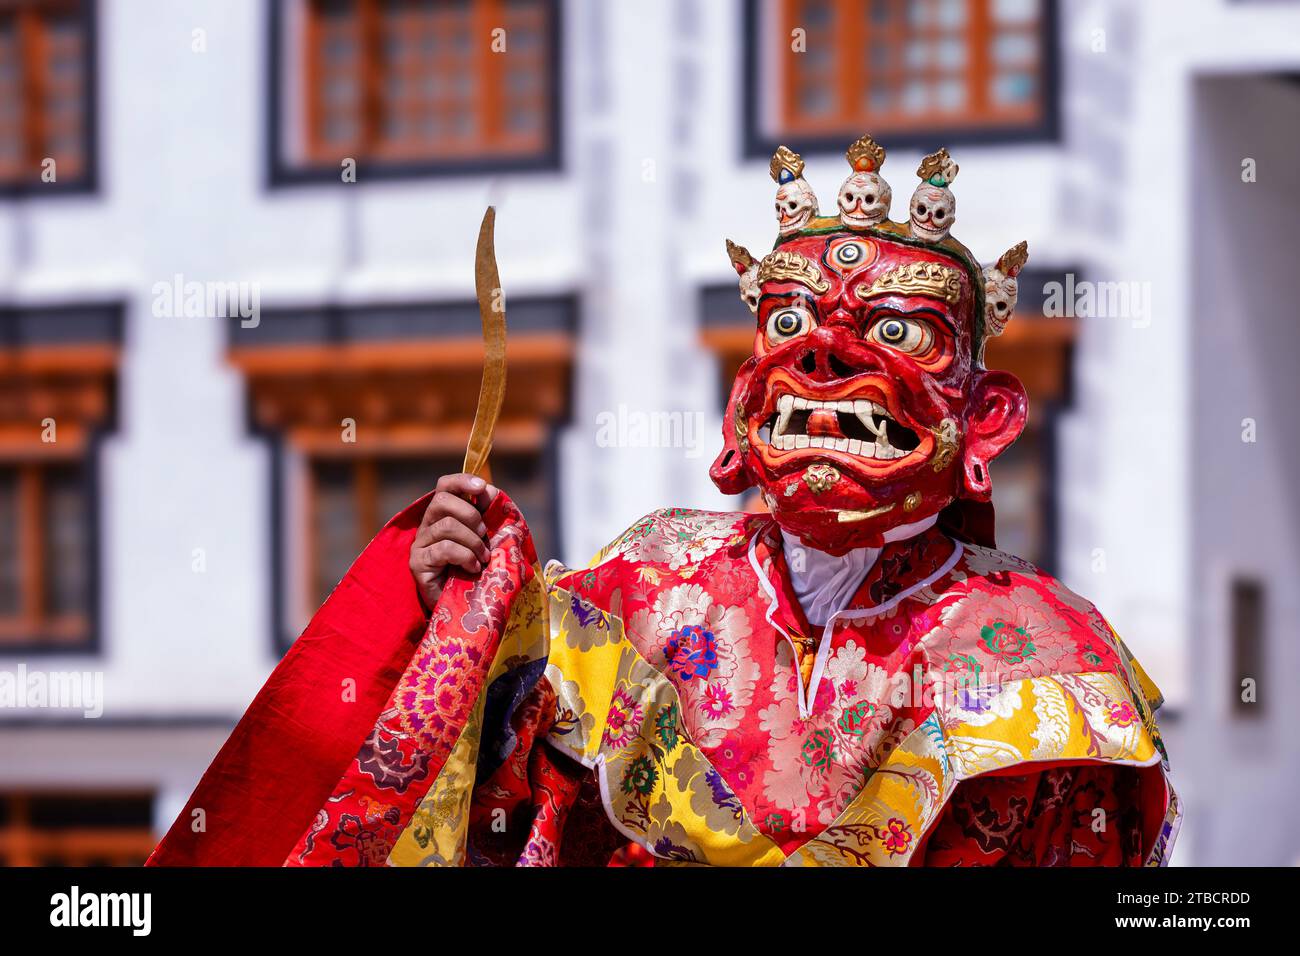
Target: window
point(366, 406)
point(57, 381)
point(351, 499)
point(1247, 611)
point(417, 85)
point(907, 71)
point(46, 108)
point(44, 574)
point(75, 829)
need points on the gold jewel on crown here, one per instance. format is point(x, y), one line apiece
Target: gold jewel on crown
point(938, 168)
point(865, 155)
point(786, 165)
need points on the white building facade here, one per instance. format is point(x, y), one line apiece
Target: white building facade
point(1160, 508)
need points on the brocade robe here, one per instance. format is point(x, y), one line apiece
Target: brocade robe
point(670, 703)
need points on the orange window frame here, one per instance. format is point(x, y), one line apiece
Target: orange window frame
point(403, 419)
point(366, 29)
point(72, 384)
point(24, 844)
point(33, 623)
point(851, 72)
point(34, 77)
point(364, 487)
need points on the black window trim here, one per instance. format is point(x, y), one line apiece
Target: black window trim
point(282, 633)
point(92, 462)
point(757, 144)
point(282, 173)
point(88, 181)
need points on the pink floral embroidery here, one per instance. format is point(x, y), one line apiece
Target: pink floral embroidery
point(624, 720)
point(897, 837)
point(687, 595)
point(1121, 713)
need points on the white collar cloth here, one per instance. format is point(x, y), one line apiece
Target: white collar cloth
point(825, 584)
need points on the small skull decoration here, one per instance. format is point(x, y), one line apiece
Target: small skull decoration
point(796, 203)
point(933, 208)
point(746, 267)
point(1001, 288)
point(864, 197)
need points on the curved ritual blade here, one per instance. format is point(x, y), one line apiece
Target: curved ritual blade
point(492, 311)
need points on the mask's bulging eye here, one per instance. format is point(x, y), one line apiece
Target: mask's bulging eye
point(787, 323)
point(906, 335)
point(847, 255)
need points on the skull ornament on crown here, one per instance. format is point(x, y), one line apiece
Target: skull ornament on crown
point(1001, 288)
point(796, 203)
point(933, 208)
point(864, 197)
point(865, 405)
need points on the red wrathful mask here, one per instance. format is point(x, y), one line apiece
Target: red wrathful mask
point(863, 407)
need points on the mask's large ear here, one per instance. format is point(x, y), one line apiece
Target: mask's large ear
point(995, 418)
point(729, 472)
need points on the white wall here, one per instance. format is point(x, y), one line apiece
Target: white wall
point(1246, 520)
point(182, 190)
point(182, 162)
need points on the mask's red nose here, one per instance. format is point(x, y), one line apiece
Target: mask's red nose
point(833, 352)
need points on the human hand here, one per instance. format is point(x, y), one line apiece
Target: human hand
point(451, 534)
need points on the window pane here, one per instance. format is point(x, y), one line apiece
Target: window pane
point(529, 487)
point(336, 539)
point(1018, 499)
point(66, 530)
point(402, 480)
point(11, 99)
point(1014, 48)
point(429, 86)
point(335, 520)
point(906, 66)
point(9, 560)
point(1015, 11)
point(1249, 658)
point(951, 13)
point(43, 86)
point(1014, 88)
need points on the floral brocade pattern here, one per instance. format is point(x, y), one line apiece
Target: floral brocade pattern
point(684, 588)
point(658, 697)
point(437, 696)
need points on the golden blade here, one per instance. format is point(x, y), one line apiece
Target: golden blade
point(492, 311)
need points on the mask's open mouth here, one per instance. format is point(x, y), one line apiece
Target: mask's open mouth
point(854, 426)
